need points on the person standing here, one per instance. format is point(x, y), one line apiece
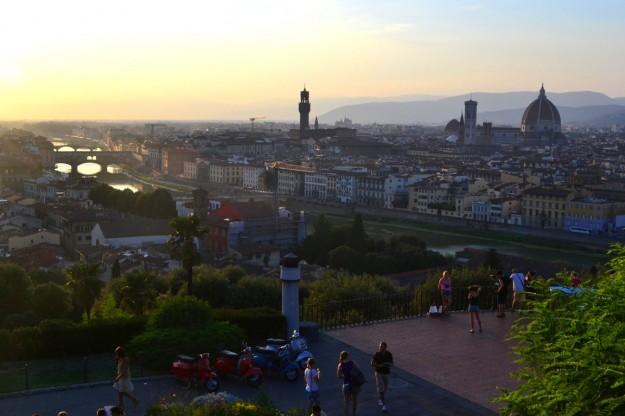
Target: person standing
point(311, 377)
point(122, 384)
point(444, 286)
point(473, 298)
point(382, 362)
point(502, 294)
point(345, 369)
point(518, 290)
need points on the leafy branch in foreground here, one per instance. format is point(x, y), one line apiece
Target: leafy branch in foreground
point(571, 350)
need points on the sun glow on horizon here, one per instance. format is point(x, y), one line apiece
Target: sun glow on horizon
point(213, 59)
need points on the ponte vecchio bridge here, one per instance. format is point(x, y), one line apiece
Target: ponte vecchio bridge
point(79, 155)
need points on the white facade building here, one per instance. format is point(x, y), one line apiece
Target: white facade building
point(316, 186)
point(252, 176)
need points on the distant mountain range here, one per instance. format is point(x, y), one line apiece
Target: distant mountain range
point(578, 107)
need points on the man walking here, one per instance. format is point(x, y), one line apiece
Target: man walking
point(518, 289)
point(382, 362)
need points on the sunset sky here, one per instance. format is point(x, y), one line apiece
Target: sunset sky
point(235, 59)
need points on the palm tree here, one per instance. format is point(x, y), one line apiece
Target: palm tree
point(184, 231)
point(83, 281)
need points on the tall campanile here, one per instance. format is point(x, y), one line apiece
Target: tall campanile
point(304, 110)
point(470, 122)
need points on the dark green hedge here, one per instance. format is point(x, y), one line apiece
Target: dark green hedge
point(256, 323)
point(56, 338)
point(157, 348)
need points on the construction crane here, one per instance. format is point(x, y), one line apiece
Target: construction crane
point(253, 119)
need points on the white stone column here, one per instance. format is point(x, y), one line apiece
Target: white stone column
point(290, 276)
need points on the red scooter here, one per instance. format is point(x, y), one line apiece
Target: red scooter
point(195, 372)
point(241, 365)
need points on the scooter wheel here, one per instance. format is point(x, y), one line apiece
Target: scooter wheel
point(254, 381)
point(212, 385)
point(291, 374)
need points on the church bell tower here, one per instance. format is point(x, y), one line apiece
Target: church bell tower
point(304, 110)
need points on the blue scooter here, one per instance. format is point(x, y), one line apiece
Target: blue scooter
point(296, 346)
point(270, 359)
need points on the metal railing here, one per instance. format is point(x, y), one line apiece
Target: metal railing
point(368, 310)
point(34, 374)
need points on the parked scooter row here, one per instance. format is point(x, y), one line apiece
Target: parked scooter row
point(282, 356)
point(277, 356)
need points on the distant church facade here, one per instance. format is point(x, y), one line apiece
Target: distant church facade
point(540, 124)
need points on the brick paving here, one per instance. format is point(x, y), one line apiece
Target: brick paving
point(443, 352)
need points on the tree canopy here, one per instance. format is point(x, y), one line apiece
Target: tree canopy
point(158, 204)
point(184, 231)
point(571, 350)
point(350, 248)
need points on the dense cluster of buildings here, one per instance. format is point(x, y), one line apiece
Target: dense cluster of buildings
point(540, 175)
point(532, 175)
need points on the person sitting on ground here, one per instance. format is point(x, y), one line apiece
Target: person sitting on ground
point(575, 280)
point(316, 411)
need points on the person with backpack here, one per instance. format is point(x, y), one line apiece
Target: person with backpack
point(382, 362)
point(353, 379)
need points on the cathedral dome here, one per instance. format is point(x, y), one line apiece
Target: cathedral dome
point(452, 126)
point(541, 117)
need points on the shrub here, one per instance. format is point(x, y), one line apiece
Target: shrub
point(175, 312)
point(26, 342)
point(570, 350)
point(220, 409)
point(16, 320)
point(51, 300)
point(57, 337)
point(256, 323)
point(6, 347)
point(157, 348)
point(106, 334)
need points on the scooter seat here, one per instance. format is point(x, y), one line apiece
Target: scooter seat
point(276, 341)
point(186, 358)
point(265, 350)
point(230, 354)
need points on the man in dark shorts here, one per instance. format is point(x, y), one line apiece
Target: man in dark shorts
point(382, 362)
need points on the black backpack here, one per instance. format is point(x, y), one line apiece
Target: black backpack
point(356, 376)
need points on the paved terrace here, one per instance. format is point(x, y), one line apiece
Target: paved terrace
point(441, 351)
point(441, 370)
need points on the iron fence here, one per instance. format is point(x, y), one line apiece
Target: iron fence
point(34, 374)
point(367, 310)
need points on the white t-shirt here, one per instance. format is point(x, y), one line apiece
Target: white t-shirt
point(310, 375)
point(518, 282)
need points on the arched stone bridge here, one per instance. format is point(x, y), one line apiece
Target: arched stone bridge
point(103, 158)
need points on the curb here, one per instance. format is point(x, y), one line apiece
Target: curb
point(23, 393)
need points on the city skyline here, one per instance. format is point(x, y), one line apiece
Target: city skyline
point(70, 60)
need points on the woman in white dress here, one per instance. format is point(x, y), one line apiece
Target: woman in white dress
point(122, 384)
